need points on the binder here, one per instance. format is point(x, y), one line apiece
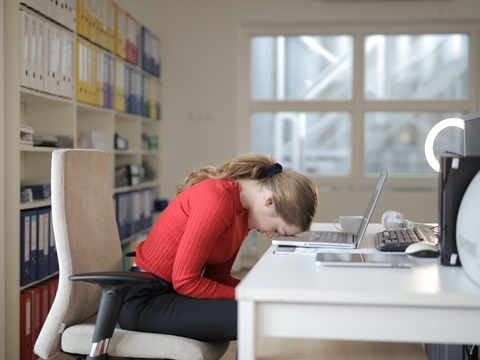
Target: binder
point(128, 88)
point(44, 303)
point(88, 10)
point(46, 212)
point(133, 91)
point(137, 216)
point(120, 29)
point(64, 88)
point(47, 51)
point(138, 92)
point(50, 243)
point(33, 51)
point(158, 105)
point(93, 75)
point(87, 55)
point(129, 214)
point(144, 97)
point(131, 39)
point(88, 20)
point(70, 92)
point(53, 261)
point(42, 242)
point(153, 96)
point(119, 211)
point(35, 314)
point(25, 254)
point(33, 244)
point(102, 23)
point(145, 42)
point(81, 17)
point(156, 56)
point(106, 80)
point(79, 80)
point(26, 338)
point(111, 26)
point(100, 78)
point(54, 60)
point(40, 54)
point(119, 84)
point(25, 48)
point(111, 81)
point(57, 59)
point(92, 9)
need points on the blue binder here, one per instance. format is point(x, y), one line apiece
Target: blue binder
point(42, 242)
point(53, 261)
point(25, 256)
point(120, 211)
point(52, 249)
point(33, 244)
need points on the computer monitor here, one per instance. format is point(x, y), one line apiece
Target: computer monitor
point(472, 134)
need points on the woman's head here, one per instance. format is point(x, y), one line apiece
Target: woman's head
point(295, 196)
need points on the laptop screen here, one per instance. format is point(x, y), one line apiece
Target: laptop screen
point(371, 204)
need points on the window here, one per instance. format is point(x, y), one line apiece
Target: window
point(338, 103)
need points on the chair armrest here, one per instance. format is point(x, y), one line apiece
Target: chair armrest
point(114, 277)
point(114, 285)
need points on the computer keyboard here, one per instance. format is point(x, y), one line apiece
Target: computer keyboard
point(330, 237)
point(399, 240)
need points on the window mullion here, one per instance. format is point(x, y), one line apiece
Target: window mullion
point(357, 175)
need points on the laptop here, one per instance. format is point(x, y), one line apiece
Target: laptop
point(336, 239)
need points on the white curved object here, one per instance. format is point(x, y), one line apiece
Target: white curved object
point(468, 230)
point(432, 160)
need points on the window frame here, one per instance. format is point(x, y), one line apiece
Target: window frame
point(358, 105)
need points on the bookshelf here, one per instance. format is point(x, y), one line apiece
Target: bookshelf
point(65, 113)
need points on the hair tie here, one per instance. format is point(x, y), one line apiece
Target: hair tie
point(274, 170)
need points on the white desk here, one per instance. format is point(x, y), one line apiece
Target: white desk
point(289, 296)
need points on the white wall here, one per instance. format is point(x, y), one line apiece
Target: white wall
point(201, 63)
point(2, 202)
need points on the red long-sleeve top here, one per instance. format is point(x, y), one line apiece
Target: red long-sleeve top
point(195, 241)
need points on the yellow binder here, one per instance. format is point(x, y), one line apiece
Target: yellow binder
point(110, 26)
point(80, 88)
point(120, 29)
point(119, 85)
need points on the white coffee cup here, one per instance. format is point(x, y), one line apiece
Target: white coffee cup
point(348, 223)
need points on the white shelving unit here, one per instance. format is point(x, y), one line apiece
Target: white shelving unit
point(49, 114)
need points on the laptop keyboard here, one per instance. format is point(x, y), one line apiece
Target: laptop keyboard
point(399, 240)
point(330, 237)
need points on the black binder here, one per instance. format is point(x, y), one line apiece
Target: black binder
point(454, 176)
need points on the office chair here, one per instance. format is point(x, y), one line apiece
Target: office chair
point(82, 322)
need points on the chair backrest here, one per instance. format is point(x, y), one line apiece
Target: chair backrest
point(86, 237)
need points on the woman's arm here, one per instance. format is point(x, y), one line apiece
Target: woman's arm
point(222, 272)
point(210, 215)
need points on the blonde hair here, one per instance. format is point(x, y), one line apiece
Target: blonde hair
point(295, 196)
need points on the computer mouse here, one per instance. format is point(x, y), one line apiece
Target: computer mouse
point(422, 249)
